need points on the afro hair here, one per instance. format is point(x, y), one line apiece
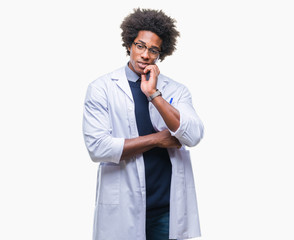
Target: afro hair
point(155, 21)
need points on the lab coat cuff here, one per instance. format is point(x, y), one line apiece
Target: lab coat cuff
point(180, 131)
point(117, 146)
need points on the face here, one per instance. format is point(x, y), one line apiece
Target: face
point(138, 61)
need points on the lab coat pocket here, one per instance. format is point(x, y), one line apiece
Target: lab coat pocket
point(110, 184)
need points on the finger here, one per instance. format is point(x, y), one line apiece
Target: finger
point(143, 77)
point(147, 69)
point(153, 73)
point(179, 145)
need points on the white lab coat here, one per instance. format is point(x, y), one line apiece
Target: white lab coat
point(109, 118)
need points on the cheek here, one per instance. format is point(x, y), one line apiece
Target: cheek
point(133, 56)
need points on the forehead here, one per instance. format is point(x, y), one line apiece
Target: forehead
point(149, 38)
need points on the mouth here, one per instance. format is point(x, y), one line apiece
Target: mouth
point(142, 65)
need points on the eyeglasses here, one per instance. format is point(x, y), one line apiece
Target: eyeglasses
point(142, 48)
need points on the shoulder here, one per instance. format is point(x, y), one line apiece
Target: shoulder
point(171, 83)
point(103, 84)
point(105, 79)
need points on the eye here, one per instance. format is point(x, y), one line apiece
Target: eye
point(153, 51)
point(140, 46)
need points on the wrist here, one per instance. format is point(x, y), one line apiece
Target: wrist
point(156, 139)
point(154, 95)
point(149, 93)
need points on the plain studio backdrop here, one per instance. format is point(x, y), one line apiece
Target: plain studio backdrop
point(236, 57)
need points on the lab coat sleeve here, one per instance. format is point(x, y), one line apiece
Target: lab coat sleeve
point(191, 129)
point(101, 145)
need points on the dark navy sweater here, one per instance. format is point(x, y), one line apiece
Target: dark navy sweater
point(157, 162)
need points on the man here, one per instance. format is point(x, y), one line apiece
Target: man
point(136, 124)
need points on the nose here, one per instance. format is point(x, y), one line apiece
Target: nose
point(145, 54)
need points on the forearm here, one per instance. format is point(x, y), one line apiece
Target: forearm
point(142, 144)
point(138, 145)
point(170, 115)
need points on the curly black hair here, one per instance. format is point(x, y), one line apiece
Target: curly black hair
point(155, 21)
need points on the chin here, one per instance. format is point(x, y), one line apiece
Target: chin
point(139, 70)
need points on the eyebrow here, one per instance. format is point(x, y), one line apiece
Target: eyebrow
point(151, 46)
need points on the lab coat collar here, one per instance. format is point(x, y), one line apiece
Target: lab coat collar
point(119, 76)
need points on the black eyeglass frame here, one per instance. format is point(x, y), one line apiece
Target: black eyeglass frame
point(155, 52)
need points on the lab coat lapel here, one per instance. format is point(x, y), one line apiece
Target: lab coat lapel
point(120, 78)
point(161, 82)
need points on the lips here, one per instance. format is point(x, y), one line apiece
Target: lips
point(142, 65)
